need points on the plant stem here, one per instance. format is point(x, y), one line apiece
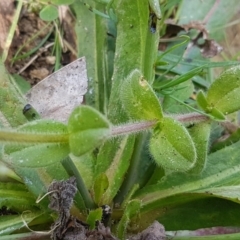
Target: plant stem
point(141, 126)
point(24, 137)
point(132, 128)
point(191, 117)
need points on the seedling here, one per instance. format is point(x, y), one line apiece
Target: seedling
point(125, 148)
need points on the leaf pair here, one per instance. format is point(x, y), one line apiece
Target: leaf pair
point(223, 96)
point(44, 142)
point(171, 144)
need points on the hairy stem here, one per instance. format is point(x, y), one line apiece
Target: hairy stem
point(132, 128)
point(191, 118)
point(141, 126)
point(26, 137)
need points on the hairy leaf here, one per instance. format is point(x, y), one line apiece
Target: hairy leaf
point(87, 129)
point(200, 133)
point(222, 170)
point(16, 197)
point(45, 144)
point(132, 209)
point(224, 93)
point(118, 166)
point(172, 146)
point(138, 98)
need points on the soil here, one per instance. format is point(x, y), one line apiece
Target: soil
point(67, 227)
point(34, 66)
point(31, 31)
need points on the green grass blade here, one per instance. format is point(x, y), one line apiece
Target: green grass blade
point(71, 169)
point(91, 43)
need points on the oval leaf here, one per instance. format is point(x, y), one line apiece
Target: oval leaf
point(49, 13)
point(42, 154)
point(138, 98)
point(87, 128)
point(172, 146)
point(224, 93)
point(200, 135)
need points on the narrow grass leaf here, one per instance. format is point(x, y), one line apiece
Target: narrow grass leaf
point(183, 78)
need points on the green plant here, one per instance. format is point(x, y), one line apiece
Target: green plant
point(135, 145)
point(48, 9)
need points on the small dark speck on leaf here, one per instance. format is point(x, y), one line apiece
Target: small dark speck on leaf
point(189, 60)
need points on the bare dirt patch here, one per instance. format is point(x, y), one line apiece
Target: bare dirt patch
point(32, 53)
